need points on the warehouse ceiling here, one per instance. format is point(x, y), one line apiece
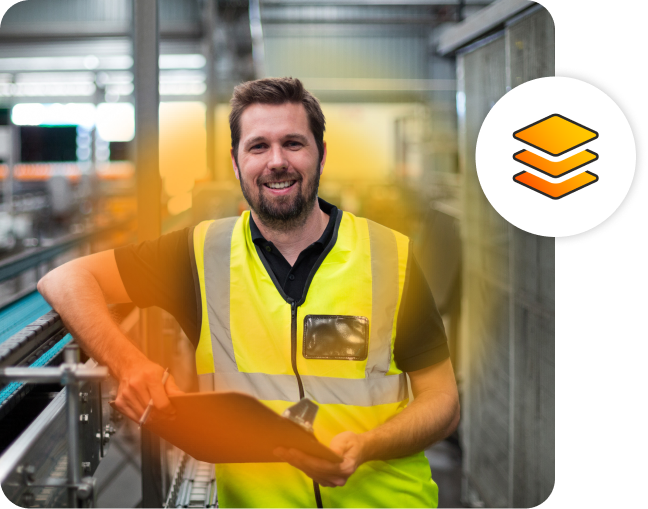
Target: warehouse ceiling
point(379, 48)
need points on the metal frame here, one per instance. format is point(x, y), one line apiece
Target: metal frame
point(70, 374)
point(482, 22)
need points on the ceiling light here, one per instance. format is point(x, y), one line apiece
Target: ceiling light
point(66, 63)
point(55, 77)
point(116, 121)
point(182, 88)
point(81, 114)
point(194, 61)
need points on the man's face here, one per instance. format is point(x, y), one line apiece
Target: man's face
point(278, 164)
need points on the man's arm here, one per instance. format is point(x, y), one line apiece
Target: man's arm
point(80, 291)
point(432, 416)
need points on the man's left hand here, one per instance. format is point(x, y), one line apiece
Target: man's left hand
point(328, 474)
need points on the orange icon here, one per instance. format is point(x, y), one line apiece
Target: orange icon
point(555, 135)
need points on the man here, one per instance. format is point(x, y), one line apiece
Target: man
point(293, 299)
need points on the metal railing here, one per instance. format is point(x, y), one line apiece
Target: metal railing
point(15, 472)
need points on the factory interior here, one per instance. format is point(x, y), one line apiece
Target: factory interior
point(114, 129)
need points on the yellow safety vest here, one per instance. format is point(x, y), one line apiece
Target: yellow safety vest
point(253, 339)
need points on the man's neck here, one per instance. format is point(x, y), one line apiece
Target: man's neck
point(292, 242)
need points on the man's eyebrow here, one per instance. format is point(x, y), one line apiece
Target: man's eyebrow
point(297, 136)
point(291, 136)
point(254, 140)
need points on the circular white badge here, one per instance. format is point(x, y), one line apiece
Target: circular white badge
point(555, 156)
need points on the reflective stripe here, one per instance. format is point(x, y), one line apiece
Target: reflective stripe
point(356, 391)
point(217, 287)
point(325, 390)
point(384, 298)
point(260, 385)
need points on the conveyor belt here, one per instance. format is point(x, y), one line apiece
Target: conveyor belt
point(193, 485)
point(31, 334)
point(21, 313)
point(43, 360)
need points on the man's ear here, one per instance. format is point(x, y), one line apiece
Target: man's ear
point(234, 165)
point(323, 160)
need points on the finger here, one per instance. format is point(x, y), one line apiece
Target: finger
point(172, 388)
point(135, 409)
point(280, 452)
point(130, 399)
point(160, 398)
point(323, 480)
point(312, 463)
point(124, 410)
point(335, 482)
point(135, 392)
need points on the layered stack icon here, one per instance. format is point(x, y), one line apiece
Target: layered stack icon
point(555, 176)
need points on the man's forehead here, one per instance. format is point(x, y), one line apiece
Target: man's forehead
point(274, 119)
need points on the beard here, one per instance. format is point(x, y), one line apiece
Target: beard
point(284, 213)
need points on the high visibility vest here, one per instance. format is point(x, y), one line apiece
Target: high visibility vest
point(253, 339)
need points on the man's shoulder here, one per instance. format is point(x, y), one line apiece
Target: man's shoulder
point(374, 226)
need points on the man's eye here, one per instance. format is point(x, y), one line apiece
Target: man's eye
point(256, 147)
point(294, 144)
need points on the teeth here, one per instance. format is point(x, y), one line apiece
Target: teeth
point(280, 185)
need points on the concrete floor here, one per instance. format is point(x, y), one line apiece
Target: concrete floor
point(119, 479)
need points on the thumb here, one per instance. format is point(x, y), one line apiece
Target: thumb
point(343, 442)
point(172, 388)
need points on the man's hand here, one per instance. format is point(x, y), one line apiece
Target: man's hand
point(346, 444)
point(141, 383)
point(432, 416)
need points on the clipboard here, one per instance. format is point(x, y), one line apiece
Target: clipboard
point(231, 427)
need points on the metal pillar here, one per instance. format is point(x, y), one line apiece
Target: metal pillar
point(147, 103)
point(209, 23)
point(256, 31)
point(72, 398)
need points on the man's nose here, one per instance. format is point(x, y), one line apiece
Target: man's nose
point(277, 159)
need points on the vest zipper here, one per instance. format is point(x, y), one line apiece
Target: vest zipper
point(293, 346)
point(293, 360)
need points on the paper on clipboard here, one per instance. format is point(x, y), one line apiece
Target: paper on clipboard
point(231, 427)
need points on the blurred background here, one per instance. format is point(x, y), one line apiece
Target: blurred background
point(92, 158)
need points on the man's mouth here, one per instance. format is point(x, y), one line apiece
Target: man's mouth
point(280, 185)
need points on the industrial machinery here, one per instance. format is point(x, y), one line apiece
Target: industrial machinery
point(52, 407)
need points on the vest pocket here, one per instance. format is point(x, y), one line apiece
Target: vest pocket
point(336, 337)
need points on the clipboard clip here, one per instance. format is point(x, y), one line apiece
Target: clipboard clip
point(302, 413)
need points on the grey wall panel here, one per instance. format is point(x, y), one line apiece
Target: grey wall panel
point(533, 426)
point(531, 46)
point(531, 55)
point(507, 338)
point(484, 338)
point(179, 10)
point(346, 57)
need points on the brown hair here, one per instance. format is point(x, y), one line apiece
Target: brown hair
point(276, 91)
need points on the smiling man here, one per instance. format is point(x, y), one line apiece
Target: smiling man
point(292, 299)
point(284, 199)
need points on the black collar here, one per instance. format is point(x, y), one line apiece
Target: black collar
point(331, 210)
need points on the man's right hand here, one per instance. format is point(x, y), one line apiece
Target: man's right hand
point(80, 291)
point(141, 382)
